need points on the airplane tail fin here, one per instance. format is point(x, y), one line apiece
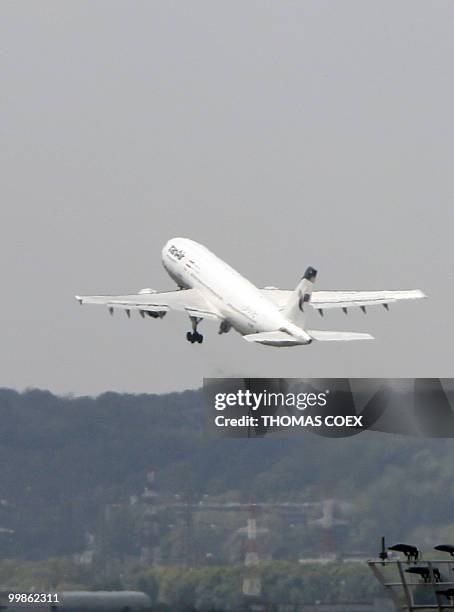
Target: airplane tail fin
point(294, 310)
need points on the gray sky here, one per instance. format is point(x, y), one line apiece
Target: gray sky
point(279, 134)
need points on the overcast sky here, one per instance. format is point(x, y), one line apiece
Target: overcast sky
point(280, 134)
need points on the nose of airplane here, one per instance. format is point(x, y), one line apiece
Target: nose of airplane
point(165, 248)
point(177, 243)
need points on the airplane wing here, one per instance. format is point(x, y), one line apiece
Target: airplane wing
point(345, 299)
point(190, 301)
point(349, 299)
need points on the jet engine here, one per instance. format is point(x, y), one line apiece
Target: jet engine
point(154, 314)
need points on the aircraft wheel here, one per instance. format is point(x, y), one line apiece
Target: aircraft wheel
point(194, 337)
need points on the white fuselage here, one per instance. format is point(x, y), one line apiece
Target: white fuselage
point(238, 301)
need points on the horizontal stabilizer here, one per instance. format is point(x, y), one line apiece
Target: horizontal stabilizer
point(337, 336)
point(273, 338)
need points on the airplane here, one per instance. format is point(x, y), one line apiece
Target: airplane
point(208, 288)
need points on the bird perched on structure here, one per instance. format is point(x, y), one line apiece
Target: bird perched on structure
point(449, 548)
point(448, 593)
point(411, 552)
point(425, 574)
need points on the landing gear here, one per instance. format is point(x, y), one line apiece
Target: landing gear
point(194, 336)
